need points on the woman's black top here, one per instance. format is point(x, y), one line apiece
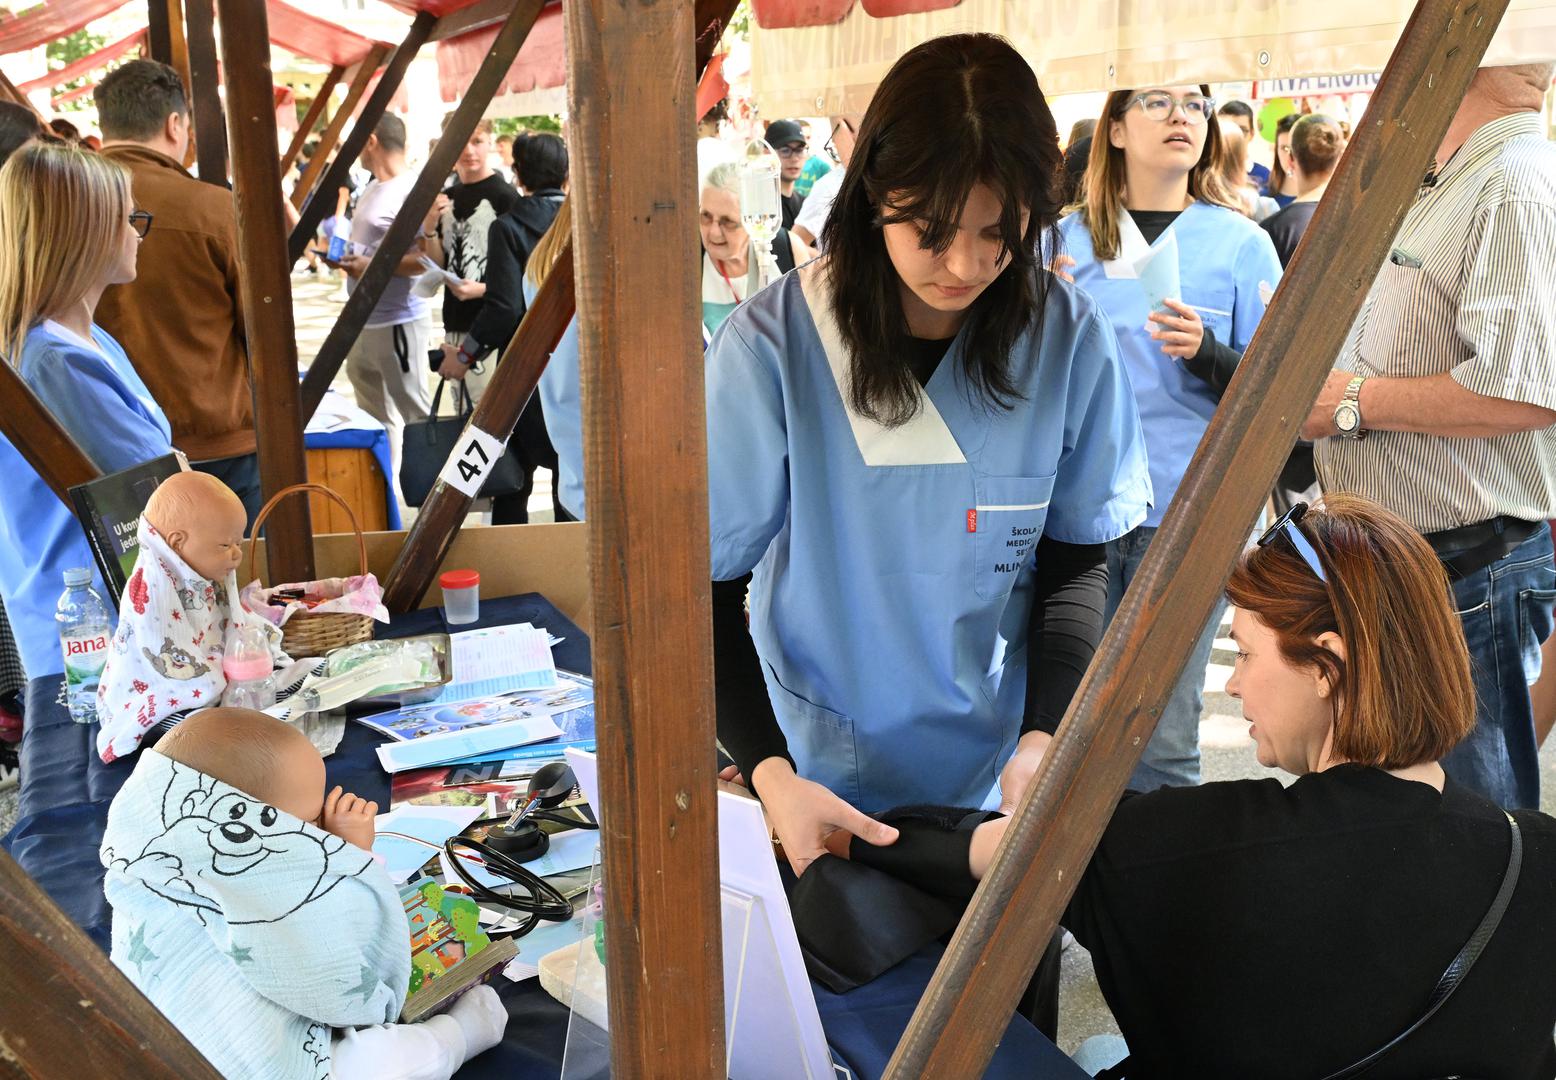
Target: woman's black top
point(1247, 929)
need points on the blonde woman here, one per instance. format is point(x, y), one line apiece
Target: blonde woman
point(560, 402)
point(1159, 213)
point(68, 230)
point(1234, 171)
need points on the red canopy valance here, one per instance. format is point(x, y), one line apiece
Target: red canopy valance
point(87, 64)
point(777, 14)
point(541, 63)
point(318, 39)
point(49, 20)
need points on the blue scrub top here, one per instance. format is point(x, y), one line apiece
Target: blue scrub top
point(100, 400)
point(893, 567)
point(562, 404)
point(1227, 270)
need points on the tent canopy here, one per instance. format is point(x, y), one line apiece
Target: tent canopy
point(86, 64)
point(842, 50)
point(540, 65)
point(49, 20)
point(318, 39)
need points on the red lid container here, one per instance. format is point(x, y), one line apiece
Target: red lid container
point(459, 579)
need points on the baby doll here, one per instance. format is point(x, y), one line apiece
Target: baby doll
point(250, 910)
point(178, 608)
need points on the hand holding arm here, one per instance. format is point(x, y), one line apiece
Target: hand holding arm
point(805, 815)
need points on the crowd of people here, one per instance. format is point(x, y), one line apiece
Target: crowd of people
point(946, 418)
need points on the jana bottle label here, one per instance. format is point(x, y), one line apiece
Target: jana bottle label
point(85, 656)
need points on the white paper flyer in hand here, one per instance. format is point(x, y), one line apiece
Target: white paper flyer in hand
point(430, 825)
point(1157, 271)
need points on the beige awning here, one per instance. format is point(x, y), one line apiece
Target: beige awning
point(1078, 46)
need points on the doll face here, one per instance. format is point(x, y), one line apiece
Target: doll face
point(212, 542)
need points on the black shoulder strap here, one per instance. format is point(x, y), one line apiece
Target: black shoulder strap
point(1462, 963)
point(783, 251)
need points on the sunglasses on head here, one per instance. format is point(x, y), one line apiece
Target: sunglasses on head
point(1286, 525)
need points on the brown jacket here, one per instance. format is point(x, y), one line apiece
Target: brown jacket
point(179, 320)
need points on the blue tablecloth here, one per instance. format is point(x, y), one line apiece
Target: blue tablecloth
point(63, 809)
point(374, 439)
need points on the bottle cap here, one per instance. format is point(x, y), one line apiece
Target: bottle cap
point(78, 575)
point(459, 579)
point(244, 667)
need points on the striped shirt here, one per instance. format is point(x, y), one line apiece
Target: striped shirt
point(1469, 288)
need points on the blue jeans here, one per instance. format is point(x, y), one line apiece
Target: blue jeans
point(1171, 758)
point(1506, 611)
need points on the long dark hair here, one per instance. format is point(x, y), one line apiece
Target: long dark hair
point(951, 113)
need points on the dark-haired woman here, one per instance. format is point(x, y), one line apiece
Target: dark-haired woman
point(1158, 216)
point(918, 446)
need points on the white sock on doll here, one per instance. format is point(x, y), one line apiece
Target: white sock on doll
point(431, 1050)
point(482, 1018)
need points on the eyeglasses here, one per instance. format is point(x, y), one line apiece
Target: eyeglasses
point(793, 150)
point(1158, 106)
point(831, 144)
point(1286, 525)
point(140, 221)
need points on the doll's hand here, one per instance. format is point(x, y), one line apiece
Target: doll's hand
point(349, 817)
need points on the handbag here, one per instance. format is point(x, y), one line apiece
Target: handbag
point(1451, 978)
point(426, 446)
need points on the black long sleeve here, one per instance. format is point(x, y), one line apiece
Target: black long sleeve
point(747, 725)
point(1064, 629)
point(503, 305)
point(1214, 363)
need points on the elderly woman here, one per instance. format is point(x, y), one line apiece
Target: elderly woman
point(1251, 928)
point(729, 274)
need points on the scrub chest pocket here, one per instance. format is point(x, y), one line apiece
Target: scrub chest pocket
point(1006, 522)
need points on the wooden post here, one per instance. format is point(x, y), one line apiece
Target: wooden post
point(69, 1012)
point(517, 374)
point(407, 222)
point(644, 424)
point(1052, 836)
point(321, 202)
point(39, 437)
point(332, 130)
point(206, 104)
point(159, 35)
point(321, 101)
point(266, 282)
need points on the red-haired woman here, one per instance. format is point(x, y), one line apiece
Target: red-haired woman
point(1253, 929)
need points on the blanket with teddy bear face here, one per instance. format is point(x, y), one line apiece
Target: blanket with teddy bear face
point(166, 655)
point(254, 932)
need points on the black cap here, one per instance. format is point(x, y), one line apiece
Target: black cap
point(783, 132)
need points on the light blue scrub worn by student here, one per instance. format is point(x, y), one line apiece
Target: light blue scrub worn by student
point(1228, 269)
point(562, 403)
point(893, 567)
point(93, 391)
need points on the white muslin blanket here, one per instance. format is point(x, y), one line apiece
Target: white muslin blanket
point(166, 656)
point(254, 932)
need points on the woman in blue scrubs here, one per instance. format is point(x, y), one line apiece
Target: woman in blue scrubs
point(917, 447)
point(68, 230)
point(1157, 220)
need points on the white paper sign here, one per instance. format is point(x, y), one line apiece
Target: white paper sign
point(473, 461)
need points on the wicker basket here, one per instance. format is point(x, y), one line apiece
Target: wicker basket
point(308, 633)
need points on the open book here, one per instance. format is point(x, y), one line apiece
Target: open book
point(450, 952)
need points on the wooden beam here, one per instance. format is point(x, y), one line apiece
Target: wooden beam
point(266, 283)
point(159, 36)
point(69, 1012)
point(644, 425)
point(41, 440)
point(310, 120)
point(321, 202)
point(321, 157)
point(1052, 835)
point(210, 125)
point(477, 16)
point(407, 222)
point(515, 379)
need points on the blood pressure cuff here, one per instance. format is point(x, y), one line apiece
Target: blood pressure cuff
point(857, 918)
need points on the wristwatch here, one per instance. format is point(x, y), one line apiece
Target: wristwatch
point(1347, 414)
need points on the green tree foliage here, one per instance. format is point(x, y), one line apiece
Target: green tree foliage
point(69, 49)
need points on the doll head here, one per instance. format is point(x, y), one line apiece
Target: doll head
point(258, 754)
point(202, 519)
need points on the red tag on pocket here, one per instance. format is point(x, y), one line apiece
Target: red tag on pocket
point(972, 520)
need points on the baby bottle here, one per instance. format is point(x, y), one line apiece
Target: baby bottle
point(248, 668)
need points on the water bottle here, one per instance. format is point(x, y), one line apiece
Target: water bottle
point(247, 666)
point(340, 240)
point(84, 630)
